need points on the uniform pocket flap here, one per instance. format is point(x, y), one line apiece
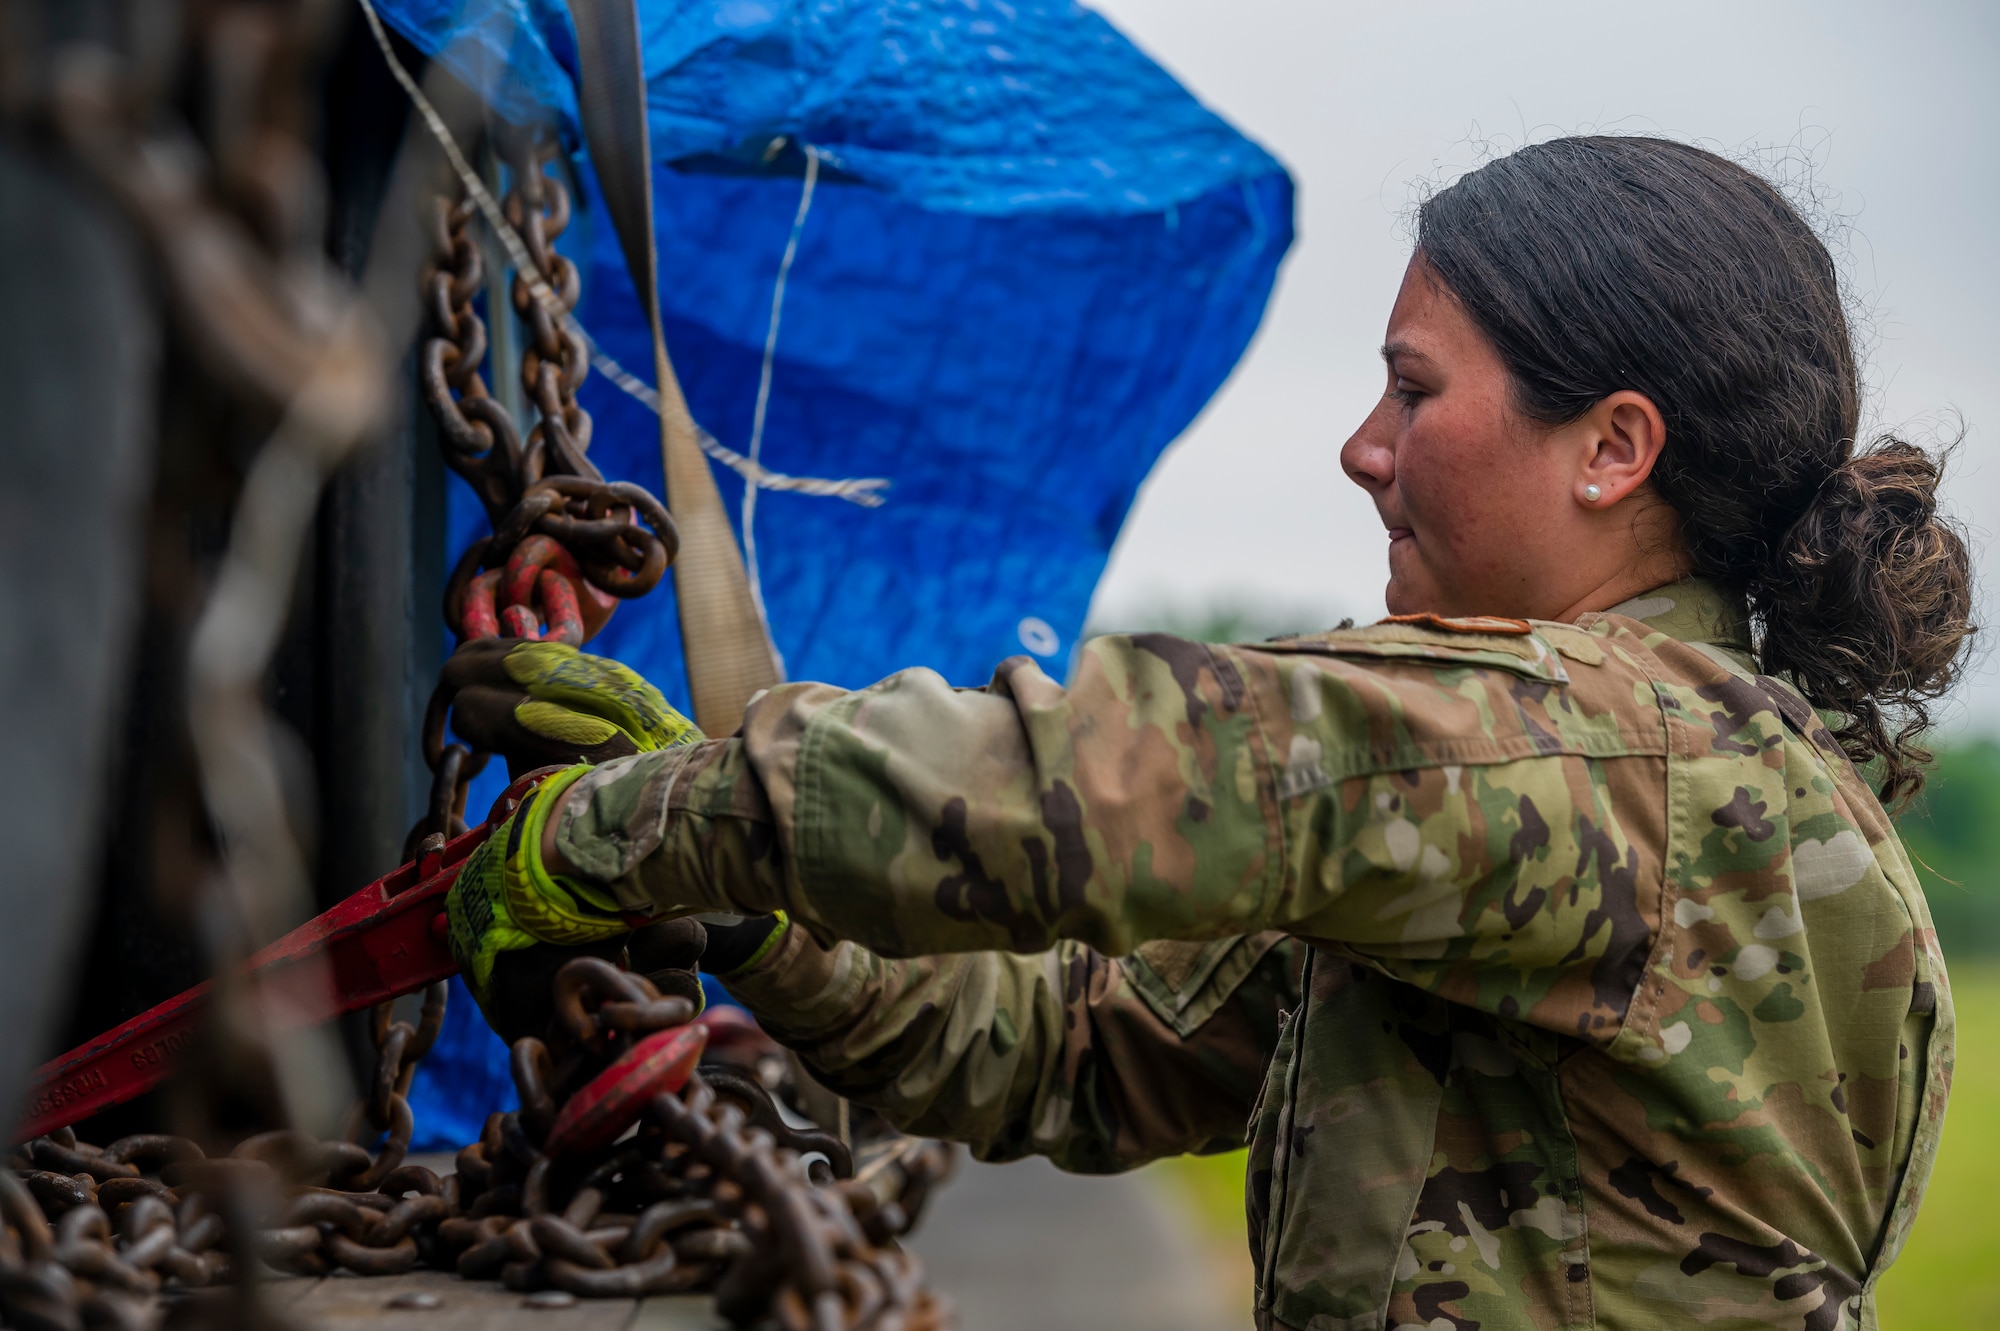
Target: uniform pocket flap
point(1185, 983)
point(1526, 654)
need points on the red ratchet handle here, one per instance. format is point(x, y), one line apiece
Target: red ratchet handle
point(385, 941)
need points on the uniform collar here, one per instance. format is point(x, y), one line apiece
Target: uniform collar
point(1692, 610)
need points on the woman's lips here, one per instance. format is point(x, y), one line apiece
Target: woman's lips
point(1398, 533)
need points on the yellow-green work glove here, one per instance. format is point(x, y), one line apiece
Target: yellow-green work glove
point(505, 900)
point(540, 704)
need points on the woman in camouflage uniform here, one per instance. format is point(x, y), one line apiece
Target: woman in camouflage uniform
point(1547, 936)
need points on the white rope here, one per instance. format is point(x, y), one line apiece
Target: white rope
point(764, 378)
point(865, 491)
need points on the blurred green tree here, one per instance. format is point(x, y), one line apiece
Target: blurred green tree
point(1952, 832)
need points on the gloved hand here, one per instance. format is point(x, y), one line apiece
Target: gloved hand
point(513, 924)
point(505, 901)
point(539, 704)
point(731, 947)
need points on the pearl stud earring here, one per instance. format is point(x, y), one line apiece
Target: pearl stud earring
point(1592, 494)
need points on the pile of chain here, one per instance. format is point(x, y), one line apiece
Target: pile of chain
point(92, 1236)
point(567, 545)
point(613, 1180)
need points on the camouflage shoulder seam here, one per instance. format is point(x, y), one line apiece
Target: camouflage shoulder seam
point(808, 825)
point(1227, 678)
point(1268, 771)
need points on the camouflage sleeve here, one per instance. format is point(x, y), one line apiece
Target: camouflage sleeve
point(1452, 807)
point(1098, 1064)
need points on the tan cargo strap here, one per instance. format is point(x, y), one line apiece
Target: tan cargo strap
point(728, 650)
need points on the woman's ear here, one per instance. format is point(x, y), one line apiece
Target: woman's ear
point(1622, 437)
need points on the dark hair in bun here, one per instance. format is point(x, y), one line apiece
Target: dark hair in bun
point(1606, 263)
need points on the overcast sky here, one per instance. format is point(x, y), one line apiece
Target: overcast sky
point(1896, 109)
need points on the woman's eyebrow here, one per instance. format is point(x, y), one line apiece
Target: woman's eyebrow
point(1395, 351)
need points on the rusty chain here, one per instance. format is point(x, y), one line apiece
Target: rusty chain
point(566, 545)
point(607, 540)
point(611, 1181)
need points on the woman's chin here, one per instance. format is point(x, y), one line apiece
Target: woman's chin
point(1407, 593)
point(1399, 599)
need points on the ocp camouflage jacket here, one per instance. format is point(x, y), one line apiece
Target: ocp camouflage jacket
point(1610, 996)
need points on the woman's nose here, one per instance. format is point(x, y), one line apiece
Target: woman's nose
point(1369, 455)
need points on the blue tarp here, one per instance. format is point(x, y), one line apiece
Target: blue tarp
point(1030, 260)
